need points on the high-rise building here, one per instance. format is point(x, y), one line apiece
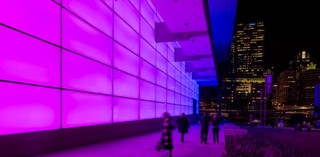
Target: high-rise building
point(246, 77)
point(308, 78)
point(287, 87)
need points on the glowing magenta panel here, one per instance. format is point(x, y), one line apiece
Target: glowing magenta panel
point(171, 69)
point(125, 85)
point(26, 108)
point(82, 74)
point(125, 109)
point(128, 13)
point(171, 46)
point(170, 84)
point(20, 55)
point(148, 52)
point(177, 75)
point(148, 33)
point(135, 3)
point(124, 34)
point(161, 94)
point(109, 3)
point(177, 110)
point(147, 110)
point(147, 90)
point(183, 90)
point(170, 109)
point(177, 99)
point(147, 71)
point(125, 60)
point(93, 11)
point(161, 63)
point(37, 18)
point(170, 96)
point(160, 109)
point(161, 78)
point(83, 109)
point(58, 1)
point(162, 49)
point(177, 87)
point(148, 13)
point(80, 37)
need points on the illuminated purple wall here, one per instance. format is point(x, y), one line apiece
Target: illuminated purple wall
point(72, 63)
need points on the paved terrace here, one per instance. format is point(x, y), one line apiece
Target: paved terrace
point(143, 146)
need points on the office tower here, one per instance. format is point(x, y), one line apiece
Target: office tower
point(241, 88)
point(308, 78)
point(287, 87)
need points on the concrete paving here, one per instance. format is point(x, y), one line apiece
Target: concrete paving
point(144, 146)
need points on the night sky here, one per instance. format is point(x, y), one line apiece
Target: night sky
point(290, 28)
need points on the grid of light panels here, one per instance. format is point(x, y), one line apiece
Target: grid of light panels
point(72, 63)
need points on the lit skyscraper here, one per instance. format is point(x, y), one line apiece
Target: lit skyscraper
point(247, 72)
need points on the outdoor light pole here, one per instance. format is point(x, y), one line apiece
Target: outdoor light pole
point(261, 106)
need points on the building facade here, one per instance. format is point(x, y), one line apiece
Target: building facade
point(241, 88)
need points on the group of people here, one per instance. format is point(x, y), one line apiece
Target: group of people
point(183, 128)
point(205, 123)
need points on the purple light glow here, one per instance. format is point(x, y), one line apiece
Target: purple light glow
point(129, 14)
point(148, 52)
point(147, 71)
point(170, 96)
point(33, 19)
point(148, 13)
point(125, 109)
point(147, 91)
point(93, 76)
point(125, 85)
point(109, 3)
point(170, 84)
point(125, 34)
point(161, 63)
point(171, 69)
point(119, 74)
point(161, 78)
point(170, 108)
point(147, 110)
point(21, 54)
point(82, 109)
point(135, 3)
point(125, 60)
point(160, 109)
point(148, 33)
point(93, 11)
point(26, 108)
point(162, 49)
point(177, 110)
point(82, 38)
point(161, 94)
point(177, 98)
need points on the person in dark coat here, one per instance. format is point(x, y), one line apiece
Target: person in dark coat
point(183, 125)
point(166, 136)
point(205, 122)
point(215, 128)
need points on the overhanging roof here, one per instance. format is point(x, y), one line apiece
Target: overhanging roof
point(203, 29)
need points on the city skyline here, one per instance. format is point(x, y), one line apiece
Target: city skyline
point(289, 29)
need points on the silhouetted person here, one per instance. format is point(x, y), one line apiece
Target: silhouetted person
point(215, 128)
point(205, 122)
point(183, 125)
point(166, 137)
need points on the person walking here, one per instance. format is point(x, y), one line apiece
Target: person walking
point(183, 126)
point(166, 136)
point(215, 128)
point(205, 122)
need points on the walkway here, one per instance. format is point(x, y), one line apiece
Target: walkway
point(143, 146)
